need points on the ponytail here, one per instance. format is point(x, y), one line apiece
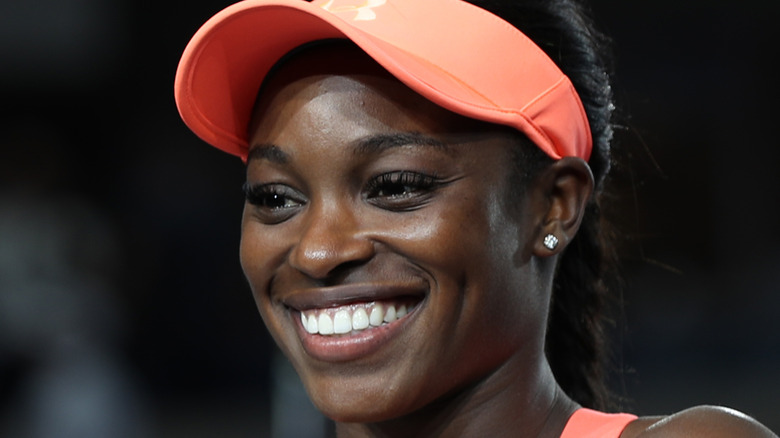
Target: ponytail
point(576, 344)
point(576, 339)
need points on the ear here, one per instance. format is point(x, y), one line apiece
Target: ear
point(565, 186)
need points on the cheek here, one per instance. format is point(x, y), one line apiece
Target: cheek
point(478, 249)
point(258, 255)
point(464, 234)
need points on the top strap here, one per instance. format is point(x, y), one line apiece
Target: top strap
point(587, 423)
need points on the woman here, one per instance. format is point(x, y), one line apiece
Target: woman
point(421, 232)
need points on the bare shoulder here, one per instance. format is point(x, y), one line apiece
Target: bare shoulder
point(700, 421)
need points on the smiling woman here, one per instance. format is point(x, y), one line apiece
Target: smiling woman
point(421, 231)
point(389, 205)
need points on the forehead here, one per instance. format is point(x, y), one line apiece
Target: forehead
point(339, 77)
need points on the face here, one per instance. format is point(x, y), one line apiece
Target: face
point(382, 245)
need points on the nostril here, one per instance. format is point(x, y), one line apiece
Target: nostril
point(326, 262)
point(329, 245)
point(340, 272)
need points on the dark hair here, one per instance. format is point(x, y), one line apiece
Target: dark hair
point(576, 344)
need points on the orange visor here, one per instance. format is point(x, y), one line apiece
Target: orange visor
point(456, 55)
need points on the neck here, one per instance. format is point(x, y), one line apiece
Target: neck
point(510, 402)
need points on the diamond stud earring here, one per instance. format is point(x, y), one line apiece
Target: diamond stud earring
point(550, 242)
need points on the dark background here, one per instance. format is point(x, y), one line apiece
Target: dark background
point(123, 311)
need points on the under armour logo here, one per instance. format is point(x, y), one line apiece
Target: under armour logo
point(364, 8)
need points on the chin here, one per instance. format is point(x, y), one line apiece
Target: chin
point(355, 409)
point(360, 403)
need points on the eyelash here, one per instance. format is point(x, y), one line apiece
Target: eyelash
point(402, 184)
point(270, 196)
point(396, 191)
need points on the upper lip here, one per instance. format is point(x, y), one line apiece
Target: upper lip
point(334, 296)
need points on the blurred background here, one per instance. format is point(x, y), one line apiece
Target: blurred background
point(123, 310)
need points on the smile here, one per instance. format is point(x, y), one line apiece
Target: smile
point(347, 319)
point(354, 321)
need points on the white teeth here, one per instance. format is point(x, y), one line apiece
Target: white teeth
point(350, 318)
point(360, 319)
point(390, 314)
point(342, 323)
point(377, 314)
point(312, 326)
point(325, 324)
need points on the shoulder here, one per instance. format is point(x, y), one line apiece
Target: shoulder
point(700, 421)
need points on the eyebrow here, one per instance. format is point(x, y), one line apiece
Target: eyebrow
point(379, 143)
point(268, 151)
point(374, 144)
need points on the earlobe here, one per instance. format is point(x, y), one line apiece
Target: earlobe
point(567, 185)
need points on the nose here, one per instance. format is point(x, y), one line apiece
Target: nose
point(331, 238)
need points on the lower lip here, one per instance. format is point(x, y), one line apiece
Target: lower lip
point(353, 346)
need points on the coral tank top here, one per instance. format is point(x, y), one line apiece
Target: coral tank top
point(587, 423)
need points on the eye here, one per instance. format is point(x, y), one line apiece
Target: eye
point(273, 203)
point(401, 190)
